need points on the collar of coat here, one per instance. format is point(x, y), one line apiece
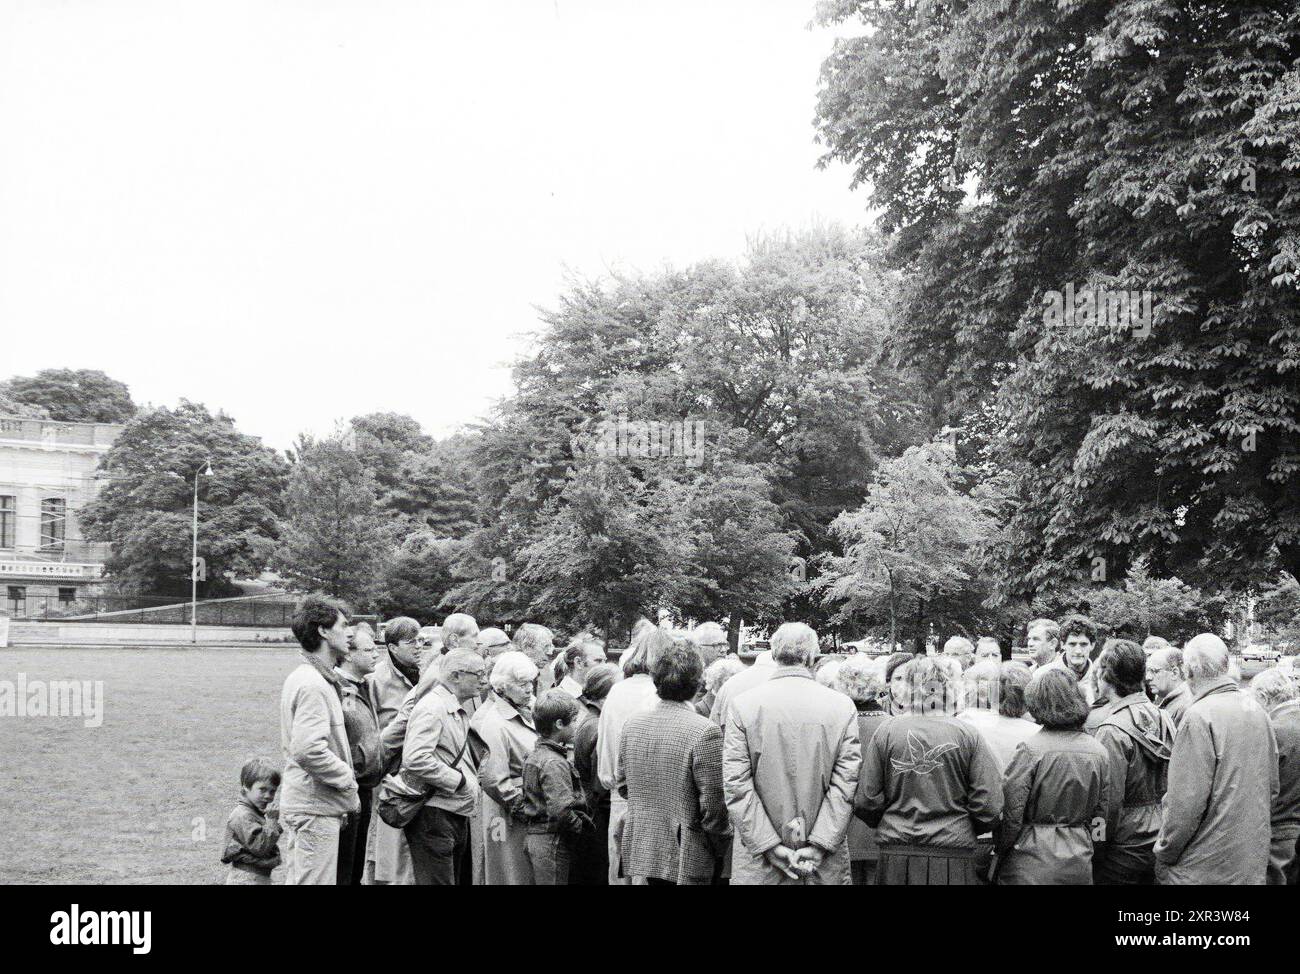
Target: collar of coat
point(1224, 684)
point(784, 671)
point(447, 699)
point(510, 712)
point(332, 678)
point(1285, 707)
point(408, 673)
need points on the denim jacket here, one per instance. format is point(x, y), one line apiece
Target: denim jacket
point(553, 796)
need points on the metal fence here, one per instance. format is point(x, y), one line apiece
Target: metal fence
point(152, 610)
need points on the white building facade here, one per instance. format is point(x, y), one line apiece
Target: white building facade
point(48, 473)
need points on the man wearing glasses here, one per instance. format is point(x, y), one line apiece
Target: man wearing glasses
point(435, 755)
point(1166, 683)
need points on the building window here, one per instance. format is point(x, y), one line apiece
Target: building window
point(17, 593)
point(8, 520)
point(67, 596)
point(54, 523)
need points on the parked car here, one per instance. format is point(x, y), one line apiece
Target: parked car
point(1263, 654)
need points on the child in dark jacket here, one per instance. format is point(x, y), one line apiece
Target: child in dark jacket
point(554, 805)
point(253, 828)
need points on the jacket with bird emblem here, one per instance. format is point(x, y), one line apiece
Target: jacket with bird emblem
point(929, 780)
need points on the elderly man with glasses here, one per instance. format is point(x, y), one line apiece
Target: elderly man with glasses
point(436, 755)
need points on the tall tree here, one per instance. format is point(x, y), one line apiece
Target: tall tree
point(611, 549)
point(915, 539)
point(74, 395)
point(417, 577)
point(778, 358)
point(1024, 149)
point(741, 556)
point(334, 539)
point(145, 509)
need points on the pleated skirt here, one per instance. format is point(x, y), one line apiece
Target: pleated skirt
point(917, 865)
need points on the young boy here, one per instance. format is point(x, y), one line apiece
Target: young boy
point(253, 832)
point(554, 806)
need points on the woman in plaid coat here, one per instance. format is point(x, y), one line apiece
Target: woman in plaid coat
point(670, 760)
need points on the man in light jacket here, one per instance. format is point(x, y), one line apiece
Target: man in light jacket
point(790, 767)
point(436, 757)
point(1223, 779)
point(319, 788)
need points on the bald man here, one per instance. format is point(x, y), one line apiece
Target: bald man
point(1223, 780)
point(1166, 683)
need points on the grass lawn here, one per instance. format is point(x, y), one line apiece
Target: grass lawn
point(144, 797)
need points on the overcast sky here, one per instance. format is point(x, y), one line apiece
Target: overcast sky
point(302, 211)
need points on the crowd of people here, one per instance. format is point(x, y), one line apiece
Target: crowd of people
point(457, 756)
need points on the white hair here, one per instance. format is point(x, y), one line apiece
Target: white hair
point(459, 631)
point(958, 646)
point(708, 634)
point(794, 644)
point(826, 675)
point(1273, 686)
point(720, 671)
point(512, 667)
point(1205, 657)
point(860, 679)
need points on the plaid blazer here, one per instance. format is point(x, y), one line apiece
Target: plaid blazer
point(671, 769)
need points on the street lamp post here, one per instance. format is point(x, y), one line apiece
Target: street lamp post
point(206, 471)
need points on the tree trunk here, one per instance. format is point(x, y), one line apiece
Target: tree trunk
point(918, 644)
point(733, 631)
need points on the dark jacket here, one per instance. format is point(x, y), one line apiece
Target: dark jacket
point(252, 838)
point(584, 758)
point(1056, 798)
point(553, 798)
point(1177, 703)
point(1285, 718)
point(928, 780)
point(671, 771)
point(862, 839)
point(362, 725)
point(1139, 738)
point(1223, 779)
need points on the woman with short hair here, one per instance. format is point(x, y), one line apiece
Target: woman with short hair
point(929, 784)
point(716, 674)
point(1056, 790)
point(670, 759)
point(995, 706)
point(895, 673)
point(859, 678)
point(501, 735)
point(633, 695)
